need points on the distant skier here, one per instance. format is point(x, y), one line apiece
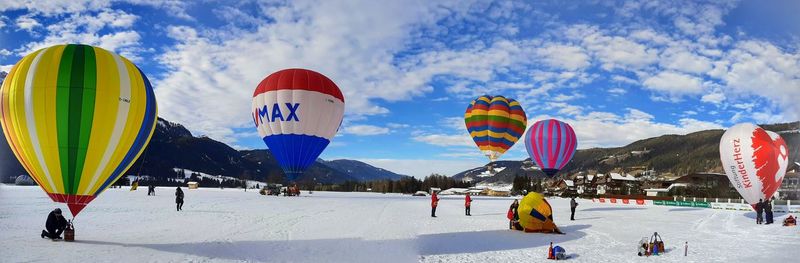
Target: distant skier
point(513, 215)
point(179, 198)
point(759, 212)
point(572, 205)
point(151, 190)
point(434, 203)
point(467, 204)
point(55, 225)
point(768, 211)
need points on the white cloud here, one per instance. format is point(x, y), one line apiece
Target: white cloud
point(714, 97)
point(397, 125)
point(445, 139)
point(761, 69)
point(109, 29)
point(685, 61)
point(564, 56)
point(674, 83)
point(365, 130)
point(420, 168)
point(604, 129)
point(617, 91)
point(54, 8)
point(27, 23)
point(622, 79)
point(613, 51)
point(4, 52)
point(220, 67)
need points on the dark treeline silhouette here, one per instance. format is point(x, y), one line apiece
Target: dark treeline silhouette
point(194, 177)
point(405, 185)
point(527, 184)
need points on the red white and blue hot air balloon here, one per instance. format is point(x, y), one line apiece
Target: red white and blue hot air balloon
point(551, 144)
point(297, 112)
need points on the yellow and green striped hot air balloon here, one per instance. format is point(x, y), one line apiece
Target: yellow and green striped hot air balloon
point(77, 117)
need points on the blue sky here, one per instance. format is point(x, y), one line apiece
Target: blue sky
point(617, 71)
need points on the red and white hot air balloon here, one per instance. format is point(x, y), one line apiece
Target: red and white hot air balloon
point(754, 159)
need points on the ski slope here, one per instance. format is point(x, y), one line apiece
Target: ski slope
point(231, 225)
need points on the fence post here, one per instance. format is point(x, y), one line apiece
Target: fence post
point(729, 200)
point(716, 200)
point(694, 199)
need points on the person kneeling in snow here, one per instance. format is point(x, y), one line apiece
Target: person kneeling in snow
point(55, 225)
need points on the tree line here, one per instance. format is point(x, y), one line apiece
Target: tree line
point(406, 185)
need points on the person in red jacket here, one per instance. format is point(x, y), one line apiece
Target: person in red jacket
point(434, 203)
point(467, 204)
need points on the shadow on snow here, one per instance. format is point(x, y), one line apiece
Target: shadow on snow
point(360, 250)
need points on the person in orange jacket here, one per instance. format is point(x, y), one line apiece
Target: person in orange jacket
point(467, 204)
point(434, 203)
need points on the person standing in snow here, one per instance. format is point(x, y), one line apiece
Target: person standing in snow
point(514, 215)
point(55, 225)
point(467, 204)
point(768, 211)
point(179, 198)
point(572, 205)
point(759, 211)
point(434, 203)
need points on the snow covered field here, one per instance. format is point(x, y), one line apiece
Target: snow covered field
point(232, 225)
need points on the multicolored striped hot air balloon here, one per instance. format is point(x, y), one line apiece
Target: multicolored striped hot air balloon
point(495, 124)
point(77, 117)
point(551, 144)
point(297, 112)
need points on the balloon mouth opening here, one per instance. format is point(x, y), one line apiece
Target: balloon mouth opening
point(550, 172)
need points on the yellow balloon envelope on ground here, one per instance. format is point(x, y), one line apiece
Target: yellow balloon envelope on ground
point(77, 117)
point(536, 215)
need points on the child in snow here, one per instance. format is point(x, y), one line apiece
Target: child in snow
point(467, 204)
point(179, 198)
point(55, 225)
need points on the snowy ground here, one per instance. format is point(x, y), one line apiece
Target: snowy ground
point(231, 225)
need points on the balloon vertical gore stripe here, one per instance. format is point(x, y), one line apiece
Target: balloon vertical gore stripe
point(551, 144)
point(73, 120)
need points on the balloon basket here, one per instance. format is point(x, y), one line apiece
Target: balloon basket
point(69, 233)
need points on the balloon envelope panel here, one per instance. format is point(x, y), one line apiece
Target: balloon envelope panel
point(77, 117)
point(297, 112)
point(495, 123)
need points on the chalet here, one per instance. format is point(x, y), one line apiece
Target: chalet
point(564, 187)
point(624, 184)
point(584, 184)
point(790, 188)
point(704, 180)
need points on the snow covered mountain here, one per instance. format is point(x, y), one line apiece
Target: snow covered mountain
point(677, 154)
point(361, 171)
point(174, 146)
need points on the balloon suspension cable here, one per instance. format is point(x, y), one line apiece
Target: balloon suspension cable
point(144, 157)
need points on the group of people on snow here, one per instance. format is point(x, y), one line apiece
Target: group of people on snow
point(764, 207)
point(435, 203)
